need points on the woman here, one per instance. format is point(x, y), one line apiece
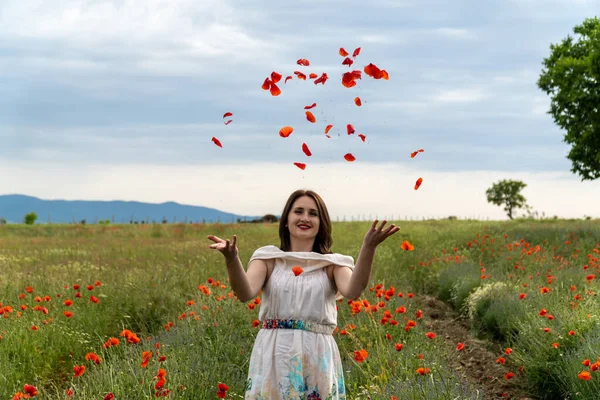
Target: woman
point(295, 355)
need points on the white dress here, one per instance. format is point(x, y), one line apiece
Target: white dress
point(299, 360)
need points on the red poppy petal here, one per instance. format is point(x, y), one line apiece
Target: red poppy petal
point(306, 150)
point(349, 157)
point(286, 131)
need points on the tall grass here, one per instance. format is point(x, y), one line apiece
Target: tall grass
point(149, 277)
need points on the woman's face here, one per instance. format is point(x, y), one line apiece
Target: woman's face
point(303, 219)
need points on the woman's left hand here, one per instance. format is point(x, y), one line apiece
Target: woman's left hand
point(376, 235)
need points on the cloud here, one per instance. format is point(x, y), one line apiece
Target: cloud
point(458, 33)
point(129, 82)
point(175, 37)
point(460, 96)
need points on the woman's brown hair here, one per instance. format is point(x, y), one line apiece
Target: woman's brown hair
point(323, 240)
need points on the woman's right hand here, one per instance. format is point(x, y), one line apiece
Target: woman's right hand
point(227, 248)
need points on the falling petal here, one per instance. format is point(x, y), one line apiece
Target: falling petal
point(374, 72)
point(349, 78)
point(313, 105)
point(306, 150)
point(266, 84)
point(418, 183)
point(300, 165)
point(297, 270)
point(349, 157)
point(322, 79)
point(275, 91)
point(349, 84)
point(286, 131)
point(312, 75)
point(362, 137)
point(343, 52)
point(287, 78)
point(217, 142)
point(357, 101)
point(350, 129)
point(275, 77)
point(228, 121)
point(303, 61)
point(348, 61)
point(310, 117)
point(414, 153)
point(356, 52)
point(300, 75)
point(328, 128)
point(227, 114)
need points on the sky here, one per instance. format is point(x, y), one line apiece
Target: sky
point(119, 100)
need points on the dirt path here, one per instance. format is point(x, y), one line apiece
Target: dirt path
point(476, 363)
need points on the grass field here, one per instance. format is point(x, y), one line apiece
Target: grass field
point(68, 291)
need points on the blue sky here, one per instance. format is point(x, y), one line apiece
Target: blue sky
point(120, 99)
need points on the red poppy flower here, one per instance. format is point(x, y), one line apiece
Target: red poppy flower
point(407, 246)
point(78, 370)
point(360, 355)
point(222, 390)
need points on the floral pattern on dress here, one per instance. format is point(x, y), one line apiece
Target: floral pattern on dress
point(295, 386)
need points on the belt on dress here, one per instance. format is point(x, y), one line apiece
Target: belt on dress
point(297, 324)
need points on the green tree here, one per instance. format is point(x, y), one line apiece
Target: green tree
point(571, 76)
point(30, 218)
point(507, 193)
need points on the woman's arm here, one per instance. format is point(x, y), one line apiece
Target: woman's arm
point(245, 284)
point(352, 283)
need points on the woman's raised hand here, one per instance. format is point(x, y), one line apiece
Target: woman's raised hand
point(227, 248)
point(376, 235)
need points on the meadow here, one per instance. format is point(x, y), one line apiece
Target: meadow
point(145, 311)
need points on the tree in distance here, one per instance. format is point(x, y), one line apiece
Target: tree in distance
point(507, 193)
point(30, 218)
point(571, 77)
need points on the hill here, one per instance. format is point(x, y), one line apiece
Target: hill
point(14, 207)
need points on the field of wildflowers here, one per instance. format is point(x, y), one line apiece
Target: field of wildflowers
point(145, 311)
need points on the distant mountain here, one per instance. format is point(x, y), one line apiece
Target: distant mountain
point(14, 207)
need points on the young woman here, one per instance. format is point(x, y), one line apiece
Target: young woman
point(295, 355)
